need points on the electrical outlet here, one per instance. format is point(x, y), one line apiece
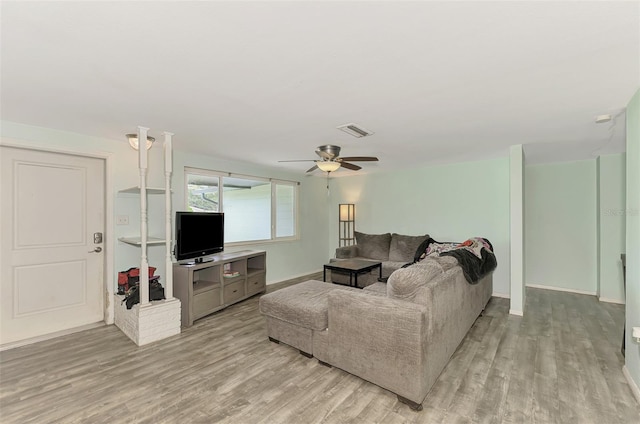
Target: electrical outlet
point(122, 220)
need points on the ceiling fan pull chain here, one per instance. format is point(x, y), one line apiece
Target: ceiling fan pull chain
point(328, 192)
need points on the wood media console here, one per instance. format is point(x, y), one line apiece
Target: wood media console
point(227, 278)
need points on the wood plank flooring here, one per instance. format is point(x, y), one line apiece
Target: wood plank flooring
point(561, 363)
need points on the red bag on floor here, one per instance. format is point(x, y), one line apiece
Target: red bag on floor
point(128, 278)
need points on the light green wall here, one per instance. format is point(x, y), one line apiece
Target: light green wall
point(449, 202)
point(611, 226)
point(575, 213)
point(561, 226)
point(632, 358)
point(284, 259)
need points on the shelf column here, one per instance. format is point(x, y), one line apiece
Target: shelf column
point(168, 168)
point(144, 262)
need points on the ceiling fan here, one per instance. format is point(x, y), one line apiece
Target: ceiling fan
point(330, 159)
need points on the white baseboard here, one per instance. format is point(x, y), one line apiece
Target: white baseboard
point(632, 384)
point(562, 289)
point(502, 295)
point(32, 340)
point(606, 299)
point(516, 312)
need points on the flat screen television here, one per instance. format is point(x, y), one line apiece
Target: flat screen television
point(198, 234)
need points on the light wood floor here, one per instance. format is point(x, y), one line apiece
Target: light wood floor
point(559, 364)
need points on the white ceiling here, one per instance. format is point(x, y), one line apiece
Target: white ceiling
point(260, 82)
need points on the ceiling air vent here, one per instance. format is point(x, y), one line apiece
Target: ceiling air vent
point(355, 130)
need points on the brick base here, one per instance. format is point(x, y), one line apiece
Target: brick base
point(156, 321)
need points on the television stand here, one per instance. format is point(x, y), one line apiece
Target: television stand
point(217, 282)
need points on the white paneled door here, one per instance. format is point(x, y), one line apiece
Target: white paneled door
point(51, 243)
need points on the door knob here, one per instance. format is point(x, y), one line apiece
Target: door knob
point(96, 250)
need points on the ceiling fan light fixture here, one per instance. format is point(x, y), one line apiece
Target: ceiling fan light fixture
point(327, 166)
point(133, 141)
point(355, 130)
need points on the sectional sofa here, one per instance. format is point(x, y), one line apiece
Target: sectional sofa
point(399, 335)
point(393, 250)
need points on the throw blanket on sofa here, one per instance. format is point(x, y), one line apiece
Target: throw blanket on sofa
point(476, 258)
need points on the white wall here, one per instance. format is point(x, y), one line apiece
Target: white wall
point(561, 226)
point(285, 259)
point(611, 226)
point(516, 229)
point(449, 202)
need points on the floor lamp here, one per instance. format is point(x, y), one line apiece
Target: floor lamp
point(346, 224)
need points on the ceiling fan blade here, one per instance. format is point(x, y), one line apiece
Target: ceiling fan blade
point(350, 166)
point(361, 158)
point(298, 160)
point(313, 168)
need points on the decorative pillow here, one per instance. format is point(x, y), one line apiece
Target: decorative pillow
point(403, 248)
point(374, 246)
point(435, 249)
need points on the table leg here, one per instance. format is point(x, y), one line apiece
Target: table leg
point(324, 274)
point(380, 270)
point(356, 282)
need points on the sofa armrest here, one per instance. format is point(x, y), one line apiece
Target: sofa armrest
point(346, 252)
point(379, 339)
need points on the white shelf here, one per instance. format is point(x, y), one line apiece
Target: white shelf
point(137, 241)
point(136, 190)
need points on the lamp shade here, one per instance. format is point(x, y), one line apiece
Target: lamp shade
point(347, 212)
point(328, 166)
point(133, 141)
point(346, 224)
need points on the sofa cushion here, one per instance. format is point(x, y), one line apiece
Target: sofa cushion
point(373, 246)
point(388, 267)
point(403, 248)
point(405, 283)
point(347, 252)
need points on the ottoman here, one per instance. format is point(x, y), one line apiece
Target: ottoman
point(295, 312)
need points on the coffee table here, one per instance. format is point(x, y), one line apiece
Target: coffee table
point(354, 267)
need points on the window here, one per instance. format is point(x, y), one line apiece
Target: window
point(202, 192)
point(255, 209)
